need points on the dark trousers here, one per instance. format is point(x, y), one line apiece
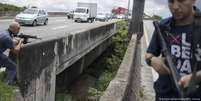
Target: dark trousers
point(10, 67)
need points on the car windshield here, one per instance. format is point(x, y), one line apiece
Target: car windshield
point(30, 11)
point(80, 10)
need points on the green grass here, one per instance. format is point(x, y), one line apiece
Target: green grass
point(63, 97)
point(6, 91)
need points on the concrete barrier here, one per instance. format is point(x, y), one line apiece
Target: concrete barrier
point(39, 63)
point(126, 84)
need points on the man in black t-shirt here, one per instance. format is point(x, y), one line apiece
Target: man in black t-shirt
point(179, 41)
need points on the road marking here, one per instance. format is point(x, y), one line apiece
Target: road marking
point(60, 27)
point(6, 20)
point(154, 73)
point(146, 36)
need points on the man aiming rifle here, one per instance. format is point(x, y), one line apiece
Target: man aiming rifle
point(7, 41)
point(181, 33)
point(11, 39)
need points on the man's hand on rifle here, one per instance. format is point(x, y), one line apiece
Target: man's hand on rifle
point(18, 42)
point(159, 66)
point(185, 80)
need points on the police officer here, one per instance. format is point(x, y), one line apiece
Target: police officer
point(7, 41)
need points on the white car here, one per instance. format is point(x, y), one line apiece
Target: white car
point(121, 16)
point(32, 16)
point(102, 17)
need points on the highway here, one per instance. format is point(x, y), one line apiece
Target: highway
point(57, 26)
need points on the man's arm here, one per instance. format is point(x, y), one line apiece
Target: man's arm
point(199, 75)
point(17, 47)
point(158, 64)
point(185, 80)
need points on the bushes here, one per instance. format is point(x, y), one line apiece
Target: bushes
point(63, 97)
point(6, 92)
point(105, 68)
point(7, 7)
point(9, 10)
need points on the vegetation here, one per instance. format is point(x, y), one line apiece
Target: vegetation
point(7, 8)
point(63, 97)
point(105, 67)
point(6, 91)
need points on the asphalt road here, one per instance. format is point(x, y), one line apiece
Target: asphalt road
point(57, 26)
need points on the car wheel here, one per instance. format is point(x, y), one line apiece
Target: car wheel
point(92, 20)
point(34, 23)
point(46, 22)
point(88, 20)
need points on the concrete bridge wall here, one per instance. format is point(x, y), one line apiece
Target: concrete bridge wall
point(39, 63)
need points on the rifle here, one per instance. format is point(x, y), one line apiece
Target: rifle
point(26, 37)
point(175, 75)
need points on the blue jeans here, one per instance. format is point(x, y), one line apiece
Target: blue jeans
point(10, 67)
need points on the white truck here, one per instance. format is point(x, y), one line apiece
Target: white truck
point(85, 12)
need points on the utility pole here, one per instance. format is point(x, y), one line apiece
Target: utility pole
point(128, 11)
point(136, 24)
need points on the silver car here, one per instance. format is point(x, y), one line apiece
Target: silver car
point(32, 16)
point(102, 17)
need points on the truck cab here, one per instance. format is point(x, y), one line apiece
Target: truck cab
point(81, 14)
point(85, 12)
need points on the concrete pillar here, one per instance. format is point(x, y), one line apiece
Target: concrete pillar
point(136, 24)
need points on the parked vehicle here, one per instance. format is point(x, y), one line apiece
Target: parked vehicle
point(70, 14)
point(109, 16)
point(102, 17)
point(121, 16)
point(85, 12)
point(32, 16)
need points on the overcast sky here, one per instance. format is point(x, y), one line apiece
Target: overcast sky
point(151, 6)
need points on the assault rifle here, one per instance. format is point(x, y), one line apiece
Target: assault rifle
point(175, 75)
point(26, 37)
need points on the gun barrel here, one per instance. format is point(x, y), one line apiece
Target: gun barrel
point(27, 36)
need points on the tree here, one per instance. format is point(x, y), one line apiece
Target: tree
point(9, 8)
